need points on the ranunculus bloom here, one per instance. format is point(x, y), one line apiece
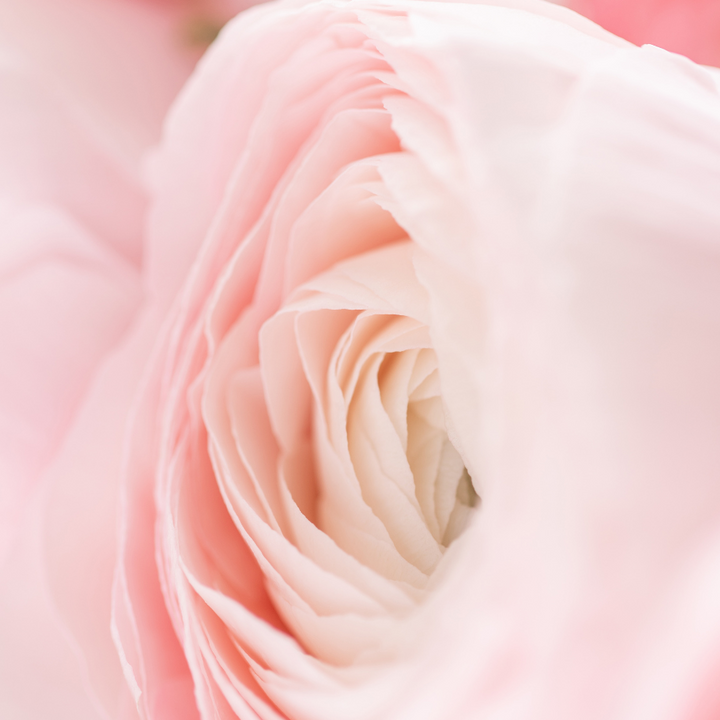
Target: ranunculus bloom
point(689, 27)
point(419, 416)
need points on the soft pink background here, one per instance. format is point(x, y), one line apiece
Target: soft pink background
point(84, 89)
point(688, 27)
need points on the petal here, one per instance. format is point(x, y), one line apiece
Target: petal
point(579, 379)
point(688, 27)
point(121, 63)
point(152, 659)
point(64, 302)
point(42, 673)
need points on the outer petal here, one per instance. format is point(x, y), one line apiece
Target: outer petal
point(123, 62)
point(582, 383)
point(71, 214)
point(41, 676)
point(152, 660)
point(70, 225)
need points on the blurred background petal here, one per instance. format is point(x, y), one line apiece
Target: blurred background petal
point(688, 27)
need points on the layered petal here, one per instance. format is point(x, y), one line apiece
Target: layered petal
point(71, 219)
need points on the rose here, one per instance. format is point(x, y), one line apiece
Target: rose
point(691, 28)
point(563, 281)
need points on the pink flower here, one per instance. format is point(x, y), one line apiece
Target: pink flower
point(688, 27)
point(410, 408)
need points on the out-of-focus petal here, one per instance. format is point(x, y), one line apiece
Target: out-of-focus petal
point(80, 532)
point(70, 250)
point(688, 27)
point(122, 62)
point(41, 670)
point(151, 656)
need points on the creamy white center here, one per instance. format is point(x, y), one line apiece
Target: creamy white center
point(370, 490)
point(409, 473)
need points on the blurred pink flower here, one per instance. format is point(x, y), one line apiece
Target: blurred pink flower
point(84, 89)
point(688, 27)
point(199, 21)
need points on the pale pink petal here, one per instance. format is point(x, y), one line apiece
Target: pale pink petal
point(64, 302)
point(52, 155)
point(71, 221)
point(80, 525)
point(43, 674)
point(596, 267)
point(152, 660)
point(213, 187)
point(122, 62)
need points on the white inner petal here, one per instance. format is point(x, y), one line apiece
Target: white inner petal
point(391, 428)
point(363, 481)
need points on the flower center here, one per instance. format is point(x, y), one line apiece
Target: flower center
point(353, 388)
point(389, 424)
point(408, 384)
